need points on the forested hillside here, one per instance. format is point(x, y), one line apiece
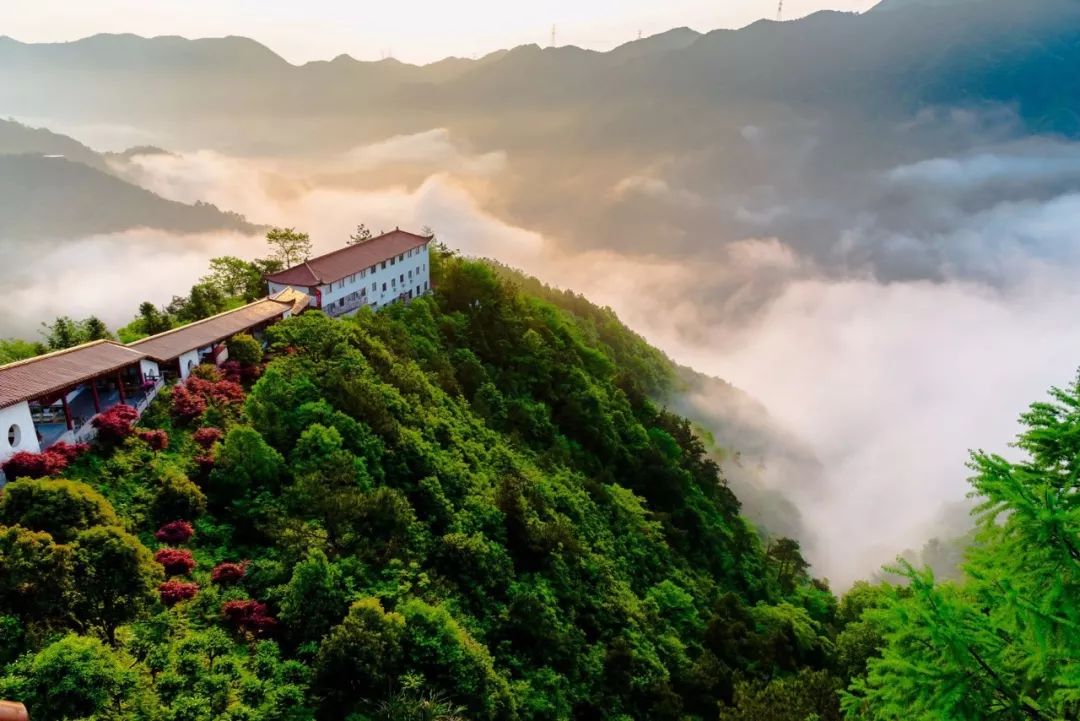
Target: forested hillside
point(467, 502)
point(471, 507)
point(57, 198)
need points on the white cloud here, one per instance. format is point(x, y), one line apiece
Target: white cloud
point(433, 149)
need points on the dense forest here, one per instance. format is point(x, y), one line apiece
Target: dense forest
point(476, 506)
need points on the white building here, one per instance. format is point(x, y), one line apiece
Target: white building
point(179, 350)
point(389, 267)
point(54, 397)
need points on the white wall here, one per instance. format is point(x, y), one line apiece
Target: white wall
point(413, 266)
point(149, 368)
point(188, 361)
point(17, 415)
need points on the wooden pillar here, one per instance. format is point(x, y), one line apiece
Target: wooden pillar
point(120, 386)
point(94, 392)
point(67, 411)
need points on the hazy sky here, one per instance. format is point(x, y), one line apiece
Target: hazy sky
point(410, 30)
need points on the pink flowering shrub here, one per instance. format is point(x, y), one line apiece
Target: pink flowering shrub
point(207, 437)
point(50, 462)
point(205, 463)
point(186, 405)
point(25, 464)
point(69, 451)
point(115, 424)
point(175, 532)
point(173, 591)
point(157, 440)
point(249, 616)
point(176, 561)
point(226, 573)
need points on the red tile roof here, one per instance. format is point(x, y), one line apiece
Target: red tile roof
point(45, 375)
point(172, 344)
point(351, 259)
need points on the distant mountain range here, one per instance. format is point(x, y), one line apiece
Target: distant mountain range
point(922, 51)
point(676, 115)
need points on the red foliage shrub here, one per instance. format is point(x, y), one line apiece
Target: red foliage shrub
point(250, 616)
point(175, 560)
point(225, 573)
point(206, 463)
point(187, 405)
point(175, 532)
point(192, 397)
point(222, 392)
point(25, 464)
point(70, 451)
point(173, 591)
point(208, 436)
point(233, 371)
point(115, 424)
point(230, 370)
point(157, 440)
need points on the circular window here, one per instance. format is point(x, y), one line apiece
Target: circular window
point(14, 435)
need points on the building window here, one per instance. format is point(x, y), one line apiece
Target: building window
point(372, 269)
point(393, 282)
point(374, 287)
point(403, 279)
point(384, 287)
point(393, 260)
point(383, 266)
point(14, 435)
point(425, 285)
point(410, 275)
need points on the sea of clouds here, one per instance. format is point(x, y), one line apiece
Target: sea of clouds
point(887, 372)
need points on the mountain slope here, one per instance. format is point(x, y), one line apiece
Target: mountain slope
point(930, 52)
point(43, 197)
point(467, 501)
point(19, 139)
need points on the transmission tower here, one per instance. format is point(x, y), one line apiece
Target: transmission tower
point(552, 36)
point(780, 12)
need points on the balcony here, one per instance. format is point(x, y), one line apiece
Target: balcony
point(351, 303)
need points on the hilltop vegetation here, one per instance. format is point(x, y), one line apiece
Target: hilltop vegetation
point(469, 499)
point(470, 507)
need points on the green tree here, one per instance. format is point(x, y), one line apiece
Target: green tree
point(13, 349)
point(154, 321)
point(93, 328)
point(289, 246)
point(244, 463)
point(1005, 641)
point(236, 277)
point(62, 333)
point(361, 656)
point(74, 678)
point(315, 599)
point(245, 350)
point(362, 235)
point(61, 508)
point(204, 300)
point(176, 496)
point(115, 578)
point(807, 696)
point(36, 576)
